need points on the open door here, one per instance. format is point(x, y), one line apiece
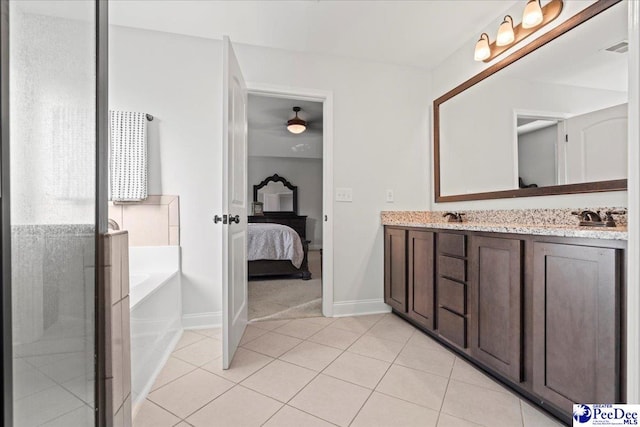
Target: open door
point(234, 204)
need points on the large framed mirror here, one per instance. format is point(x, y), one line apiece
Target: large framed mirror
point(277, 195)
point(549, 119)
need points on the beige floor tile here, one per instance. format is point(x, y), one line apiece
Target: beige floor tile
point(50, 403)
point(279, 380)
point(311, 355)
point(423, 341)
point(415, 386)
point(190, 392)
point(151, 415)
point(433, 361)
point(299, 328)
point(324, 321)
point(200, 352)
point(181, 424)
point(270, 325)
point(245, 362)
point(536, 418)
point(377, 348)
point(210, 332)
point(83, 416)
point(392, 328)
point(188, 338)
point(383, 410)
point(331, 399)
point(446, 420)
point(251, 333)
point(334, 337)
point(359, 324)
point(466, 373)
point(357, 369)
point(238, 407)
point(292, 417)
point(477, 404)
point(272, 344)
point(173, 369)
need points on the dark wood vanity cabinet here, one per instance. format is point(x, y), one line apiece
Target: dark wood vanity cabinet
point(576, 323)
point(395, 268)
point(496, 292)
point(543, 314)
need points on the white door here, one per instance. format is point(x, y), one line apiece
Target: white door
point(234, 202)
point(597, 145)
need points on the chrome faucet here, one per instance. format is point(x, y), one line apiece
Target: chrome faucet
point(453, 216)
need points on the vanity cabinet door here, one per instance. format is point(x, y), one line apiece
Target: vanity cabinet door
point(421, 278)
point(495, 304)
point(576, 326)
point(395, 268)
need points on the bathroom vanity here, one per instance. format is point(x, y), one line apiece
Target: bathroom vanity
point(540, 308)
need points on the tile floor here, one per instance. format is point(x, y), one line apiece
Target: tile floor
point(357, 371)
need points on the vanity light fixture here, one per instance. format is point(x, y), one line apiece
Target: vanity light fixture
point(505, 32)
point(533, 18)
point(296, 125)
point(483, 51)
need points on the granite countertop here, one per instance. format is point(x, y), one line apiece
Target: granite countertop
point(514, 226)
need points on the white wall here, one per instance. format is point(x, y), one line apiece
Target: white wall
point(380, 142)
point(537, 156)
point(178, 80)
point(460, 66)
point(306, 174)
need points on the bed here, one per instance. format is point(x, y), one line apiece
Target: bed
point(277, 244)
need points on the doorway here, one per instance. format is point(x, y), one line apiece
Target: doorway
point(320, 251)
point(285, 193)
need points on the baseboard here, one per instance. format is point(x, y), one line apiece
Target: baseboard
point(212, 319)
point(315, 247)
point(360, 307)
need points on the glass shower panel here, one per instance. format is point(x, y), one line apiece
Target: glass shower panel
point(53, 173)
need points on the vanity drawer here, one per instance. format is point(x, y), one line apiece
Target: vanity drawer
point(451, 295)
point(452, 327)
point(452, 244)
point(453, 268)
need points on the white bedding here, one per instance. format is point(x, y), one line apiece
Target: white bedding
point(274, 242)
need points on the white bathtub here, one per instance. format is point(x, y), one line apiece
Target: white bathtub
point(156, 313)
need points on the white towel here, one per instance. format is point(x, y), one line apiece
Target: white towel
point(128, 157)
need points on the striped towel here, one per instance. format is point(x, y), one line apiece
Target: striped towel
point(128, 156)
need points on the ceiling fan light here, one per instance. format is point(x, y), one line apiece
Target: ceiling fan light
point(532, 16)
point(505, 32)
point(296, 125)
point(483, 51)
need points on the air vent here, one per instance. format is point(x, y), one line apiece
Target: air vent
point(621, 47)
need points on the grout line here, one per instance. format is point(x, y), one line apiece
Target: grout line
point(382, 377)
point(177, 378)
point(161, 407)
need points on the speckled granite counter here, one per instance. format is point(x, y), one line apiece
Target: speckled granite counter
point(540, 222)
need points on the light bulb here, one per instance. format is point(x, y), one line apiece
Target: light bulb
point(505, 32)
point(296, 128)
point(532, 16)
point(483, 51)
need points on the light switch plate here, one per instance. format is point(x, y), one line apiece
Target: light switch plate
point(344, 195)
point(389, 196)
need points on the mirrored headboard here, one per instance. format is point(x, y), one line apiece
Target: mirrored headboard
point(277, 195)
point(551, 118)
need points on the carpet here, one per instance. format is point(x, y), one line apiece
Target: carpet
point(278, 298)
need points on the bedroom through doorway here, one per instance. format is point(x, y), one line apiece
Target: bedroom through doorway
point(285, 230)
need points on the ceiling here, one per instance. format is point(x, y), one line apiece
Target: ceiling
point(268, 135)
point(412, 33)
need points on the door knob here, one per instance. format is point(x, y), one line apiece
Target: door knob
point(218, 218)
point(235, 219)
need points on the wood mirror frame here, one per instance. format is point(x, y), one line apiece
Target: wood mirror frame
point(278, 178)
point(587, 187)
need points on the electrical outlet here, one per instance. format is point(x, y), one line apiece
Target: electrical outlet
point(389, 196)
point(344, 195)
